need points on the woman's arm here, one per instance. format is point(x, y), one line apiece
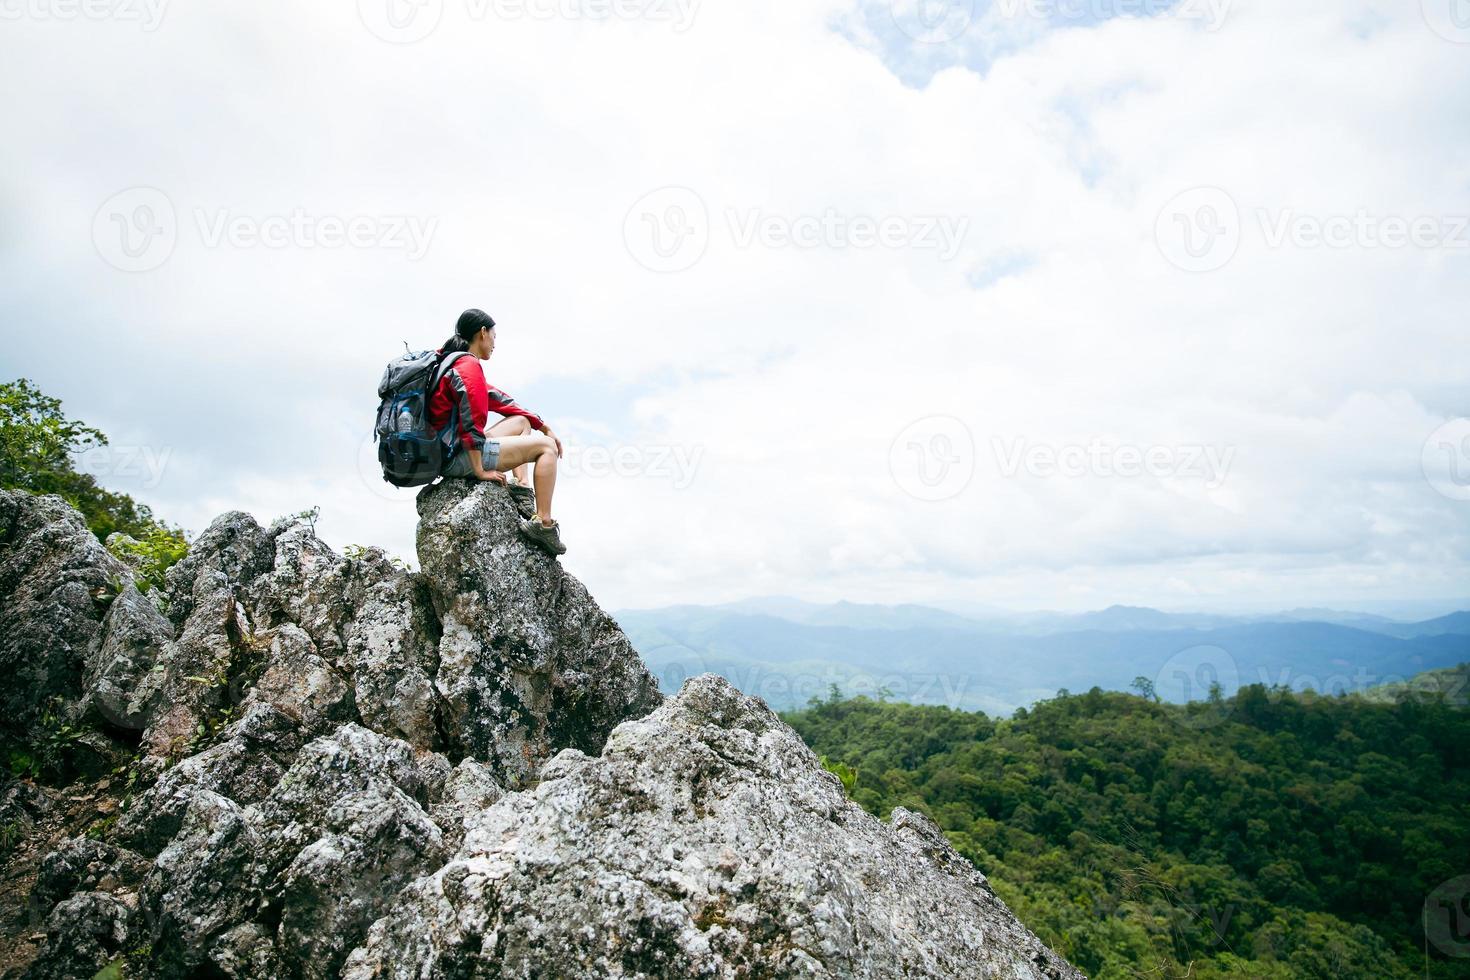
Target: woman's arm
point(503, 404)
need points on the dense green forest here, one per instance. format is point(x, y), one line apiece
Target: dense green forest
point(1269, 835)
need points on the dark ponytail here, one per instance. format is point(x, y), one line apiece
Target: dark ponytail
point(471, 322)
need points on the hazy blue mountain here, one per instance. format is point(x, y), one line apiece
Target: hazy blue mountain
point(1133, 618)
point(853, 614)
point(1319, 615)
point(934, 657)
point(1456, 623)
point(1120, 619)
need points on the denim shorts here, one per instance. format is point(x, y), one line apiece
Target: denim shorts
point(459, 464)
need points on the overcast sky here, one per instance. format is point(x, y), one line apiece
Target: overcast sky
point(1027, 304)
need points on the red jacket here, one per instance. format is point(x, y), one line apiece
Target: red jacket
point(464, 385)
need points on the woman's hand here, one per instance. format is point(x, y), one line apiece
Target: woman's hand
point(546, 431)
point(477, 467)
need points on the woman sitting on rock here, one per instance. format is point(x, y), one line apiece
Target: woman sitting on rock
point(520, 440)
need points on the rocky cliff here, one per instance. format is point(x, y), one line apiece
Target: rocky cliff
point(292, 763)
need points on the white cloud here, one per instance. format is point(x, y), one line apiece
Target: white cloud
point(787, 372)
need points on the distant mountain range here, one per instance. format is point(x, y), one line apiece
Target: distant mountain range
point(788, 651)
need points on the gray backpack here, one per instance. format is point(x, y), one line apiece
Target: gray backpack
point(412, 452)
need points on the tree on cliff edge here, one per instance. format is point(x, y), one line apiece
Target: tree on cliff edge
point(37, 443)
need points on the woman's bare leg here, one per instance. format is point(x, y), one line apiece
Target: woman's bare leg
point(513, 425)
point(533, 449)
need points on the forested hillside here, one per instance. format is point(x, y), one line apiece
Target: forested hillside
point(1266, 835)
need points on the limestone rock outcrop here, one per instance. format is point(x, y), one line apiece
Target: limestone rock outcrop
point(313, 765)
point(706, 840)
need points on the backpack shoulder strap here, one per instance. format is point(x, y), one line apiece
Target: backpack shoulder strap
point(442, 371)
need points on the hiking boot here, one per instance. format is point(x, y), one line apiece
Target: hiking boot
point(519, 491)
point(548, 539)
